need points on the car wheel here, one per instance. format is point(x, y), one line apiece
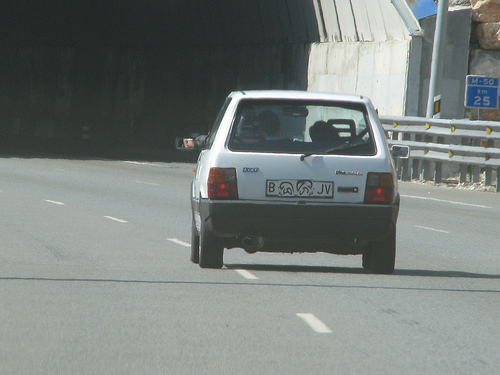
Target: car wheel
point(382, 255)
point(195, 244)
point(211, 249)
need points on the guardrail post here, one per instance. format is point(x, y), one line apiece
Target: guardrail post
point(476, 170)
point(463, 167)
point(426, 164)
point(405, 170)
point(487, 176)
point(488, 170)
point(463, 174)
point(438, 169)
point(498, 180)
point(438, 172)
point(415, 171)
point(425, 174)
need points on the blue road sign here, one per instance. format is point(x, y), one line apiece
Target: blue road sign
point(423, 8)
point(481, 92)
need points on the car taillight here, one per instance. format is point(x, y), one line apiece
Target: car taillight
point(222, 183)
point(379, 188)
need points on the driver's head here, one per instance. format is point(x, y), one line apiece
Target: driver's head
point(268, 123)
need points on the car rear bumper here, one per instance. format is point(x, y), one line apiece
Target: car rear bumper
point(305, 221)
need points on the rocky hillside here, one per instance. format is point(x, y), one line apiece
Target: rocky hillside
point(485, 43)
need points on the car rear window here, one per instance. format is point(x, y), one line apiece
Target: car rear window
point(305, 127)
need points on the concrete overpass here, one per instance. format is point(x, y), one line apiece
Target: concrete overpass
point(143, 72)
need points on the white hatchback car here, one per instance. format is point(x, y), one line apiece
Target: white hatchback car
point(293, 171)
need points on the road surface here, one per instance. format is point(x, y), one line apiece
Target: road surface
point(95, 278)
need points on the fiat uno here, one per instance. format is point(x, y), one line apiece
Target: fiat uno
point(293, 171)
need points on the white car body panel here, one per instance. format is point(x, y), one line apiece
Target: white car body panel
point(251, 185)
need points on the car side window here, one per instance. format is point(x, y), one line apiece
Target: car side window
point(216, 124)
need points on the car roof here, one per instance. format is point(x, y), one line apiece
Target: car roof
point(296, 94)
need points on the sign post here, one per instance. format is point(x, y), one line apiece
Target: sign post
point(437, 62)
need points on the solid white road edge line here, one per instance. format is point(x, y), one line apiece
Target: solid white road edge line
point(317, 325)
point(247, 275)
point(432, 229)
point(179, 242)
point(445, 201)
point(116, 219)
point(55, 202)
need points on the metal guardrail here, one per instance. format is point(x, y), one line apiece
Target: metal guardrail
point(474, 145)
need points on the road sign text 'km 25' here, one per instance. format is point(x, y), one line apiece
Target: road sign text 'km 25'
point(481, 92)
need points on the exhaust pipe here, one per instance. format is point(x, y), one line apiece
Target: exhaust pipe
point(252, 244)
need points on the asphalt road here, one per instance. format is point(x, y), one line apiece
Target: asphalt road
point(95, 278)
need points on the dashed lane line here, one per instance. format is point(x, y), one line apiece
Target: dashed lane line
point(149, 164)
point(432, 229)
point(317, 325)
point(148, 183)
point(247, 275)
point(55, 202)
point(116, 219)
point(179, 242)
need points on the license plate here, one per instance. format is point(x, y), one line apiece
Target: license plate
point(299, 188)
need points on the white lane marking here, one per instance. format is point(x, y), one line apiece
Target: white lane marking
point(116, 219)
point(148, 183)
point(445, 201)
point(179, 242)
point(146, 163)
point(432, 229)
point(247, 275)
point(313, 322)
point(55, 202)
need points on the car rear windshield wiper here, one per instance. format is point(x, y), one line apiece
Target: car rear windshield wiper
point(346, 146)
point(338, 149)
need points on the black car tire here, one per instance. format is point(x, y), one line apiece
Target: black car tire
point(382, 255)
point(195, 244)
point(211, 249)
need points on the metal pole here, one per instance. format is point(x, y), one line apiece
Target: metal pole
point(437, 56)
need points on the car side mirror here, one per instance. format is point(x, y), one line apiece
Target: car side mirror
point(184, 144)
point(401, 152)
point(190, 144)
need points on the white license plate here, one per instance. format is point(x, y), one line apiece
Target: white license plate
point(299, 188)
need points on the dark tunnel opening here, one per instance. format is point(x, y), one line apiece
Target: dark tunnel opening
point(139, 73)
